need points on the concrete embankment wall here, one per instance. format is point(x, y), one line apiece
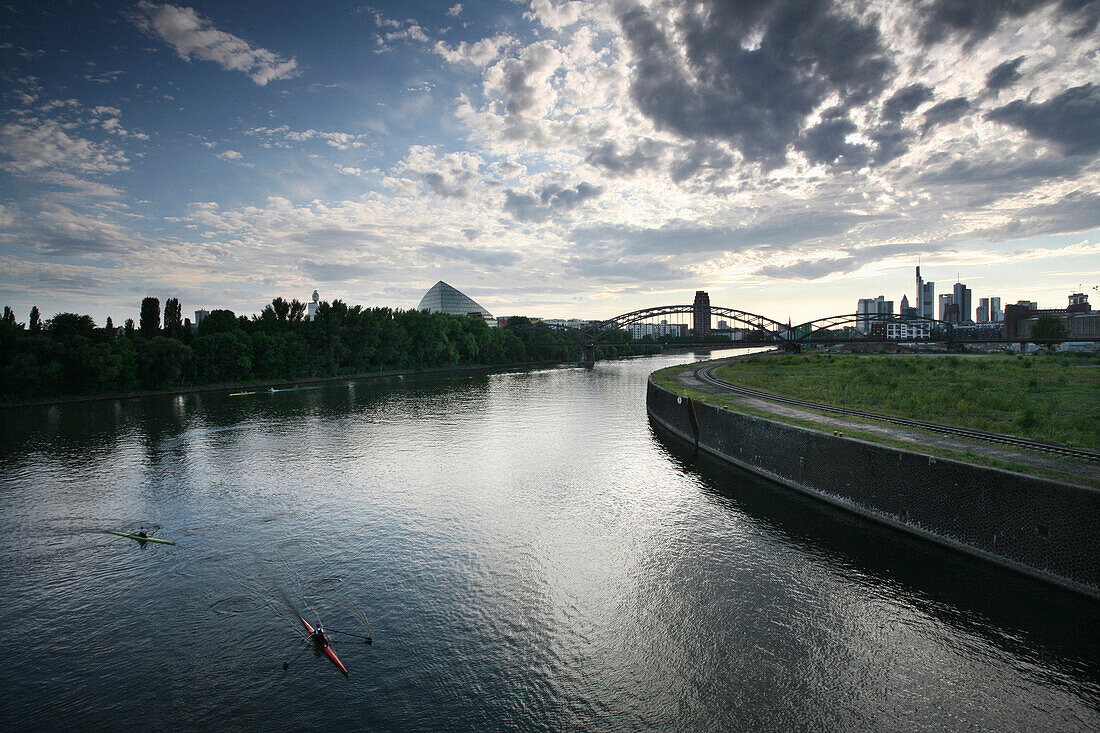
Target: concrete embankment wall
point(1044, 528)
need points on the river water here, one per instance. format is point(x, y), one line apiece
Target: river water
point(527, 554)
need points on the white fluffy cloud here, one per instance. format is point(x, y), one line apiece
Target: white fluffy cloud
point(193, 36)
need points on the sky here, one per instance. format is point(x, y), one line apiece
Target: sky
point(548, 158)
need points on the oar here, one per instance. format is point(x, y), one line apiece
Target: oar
point(286, 664)
point(366, 639)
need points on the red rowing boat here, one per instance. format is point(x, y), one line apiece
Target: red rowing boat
point(322, 645)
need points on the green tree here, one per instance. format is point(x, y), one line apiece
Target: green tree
point(9, 317)
point(281, 309)
point(225, 356)
point(173, 318)
point(162, 362)
point(69, 325)
point(1051, 328)
point(150, 317)
point(219, 321)
point(128, 327)
point(35, 322)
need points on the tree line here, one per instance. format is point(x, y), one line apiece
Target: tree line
point(69, 355)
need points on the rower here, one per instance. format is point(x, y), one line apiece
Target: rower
point(319, 636)
point(141, 533)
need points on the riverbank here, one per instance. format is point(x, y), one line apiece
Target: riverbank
point(818, 388)
point(1038, 526)
point(286, 383)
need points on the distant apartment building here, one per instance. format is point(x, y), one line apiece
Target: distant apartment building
point(902, 330)
point(199, 315)
point(311, 307)
point(657, 330)
point(926, 297)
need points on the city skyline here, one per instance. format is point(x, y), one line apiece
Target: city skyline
point(558, 159)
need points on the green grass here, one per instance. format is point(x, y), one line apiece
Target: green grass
point(668, 378)
point(1052, 397)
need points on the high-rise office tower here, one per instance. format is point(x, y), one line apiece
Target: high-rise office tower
point(946, 299)
point(981, 315)
point(962, 299)
point(926, 297)
point(996, 315)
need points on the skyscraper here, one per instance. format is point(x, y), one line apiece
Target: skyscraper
point(996, 315)
point(701, 313)
point(982, 314)
point(926, 297)
point(962, 299)
point(946, 299)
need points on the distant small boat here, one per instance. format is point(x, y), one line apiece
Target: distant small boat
point(238, 394)
point(139, 538)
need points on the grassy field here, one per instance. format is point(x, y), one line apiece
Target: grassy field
point(1053, 397)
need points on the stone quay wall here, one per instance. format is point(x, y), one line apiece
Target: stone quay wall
point(1040, 527)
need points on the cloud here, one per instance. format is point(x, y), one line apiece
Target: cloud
point(551, 199)
point(455, 10)
point(1004, 75)
point(52, 150)
point(1071, 119)
point(975, 20)
point(480, 53)
point(905, 100)
point(487, 257)
point(230, 155)
point(750, 73)
point(58, 230)
point(195, 37)
point(945, 112)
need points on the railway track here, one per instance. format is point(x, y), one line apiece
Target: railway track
point(703, 375)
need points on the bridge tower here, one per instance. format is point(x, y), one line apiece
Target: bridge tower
point(701, 314)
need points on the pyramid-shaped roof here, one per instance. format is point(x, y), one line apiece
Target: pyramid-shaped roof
point(442, 298)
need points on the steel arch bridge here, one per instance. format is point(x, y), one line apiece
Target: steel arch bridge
point(823, 330)
point(752, 321)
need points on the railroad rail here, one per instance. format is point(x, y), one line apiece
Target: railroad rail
point(703, 375)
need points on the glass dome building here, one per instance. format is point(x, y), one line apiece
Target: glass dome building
point(442, 298)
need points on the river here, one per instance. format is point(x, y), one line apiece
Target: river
point(527, 554)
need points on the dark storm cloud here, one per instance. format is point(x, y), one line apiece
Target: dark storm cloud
point(757, 97)
point(618, 162)
point(698, 158)
point(1071, 119)
point(825, 142)
point(528, 207)
point(944, 112)
point(1004, 74)
point(904, 101)
point(974, 20)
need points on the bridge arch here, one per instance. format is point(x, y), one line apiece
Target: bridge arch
point(818, 329)
point(771, 328)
